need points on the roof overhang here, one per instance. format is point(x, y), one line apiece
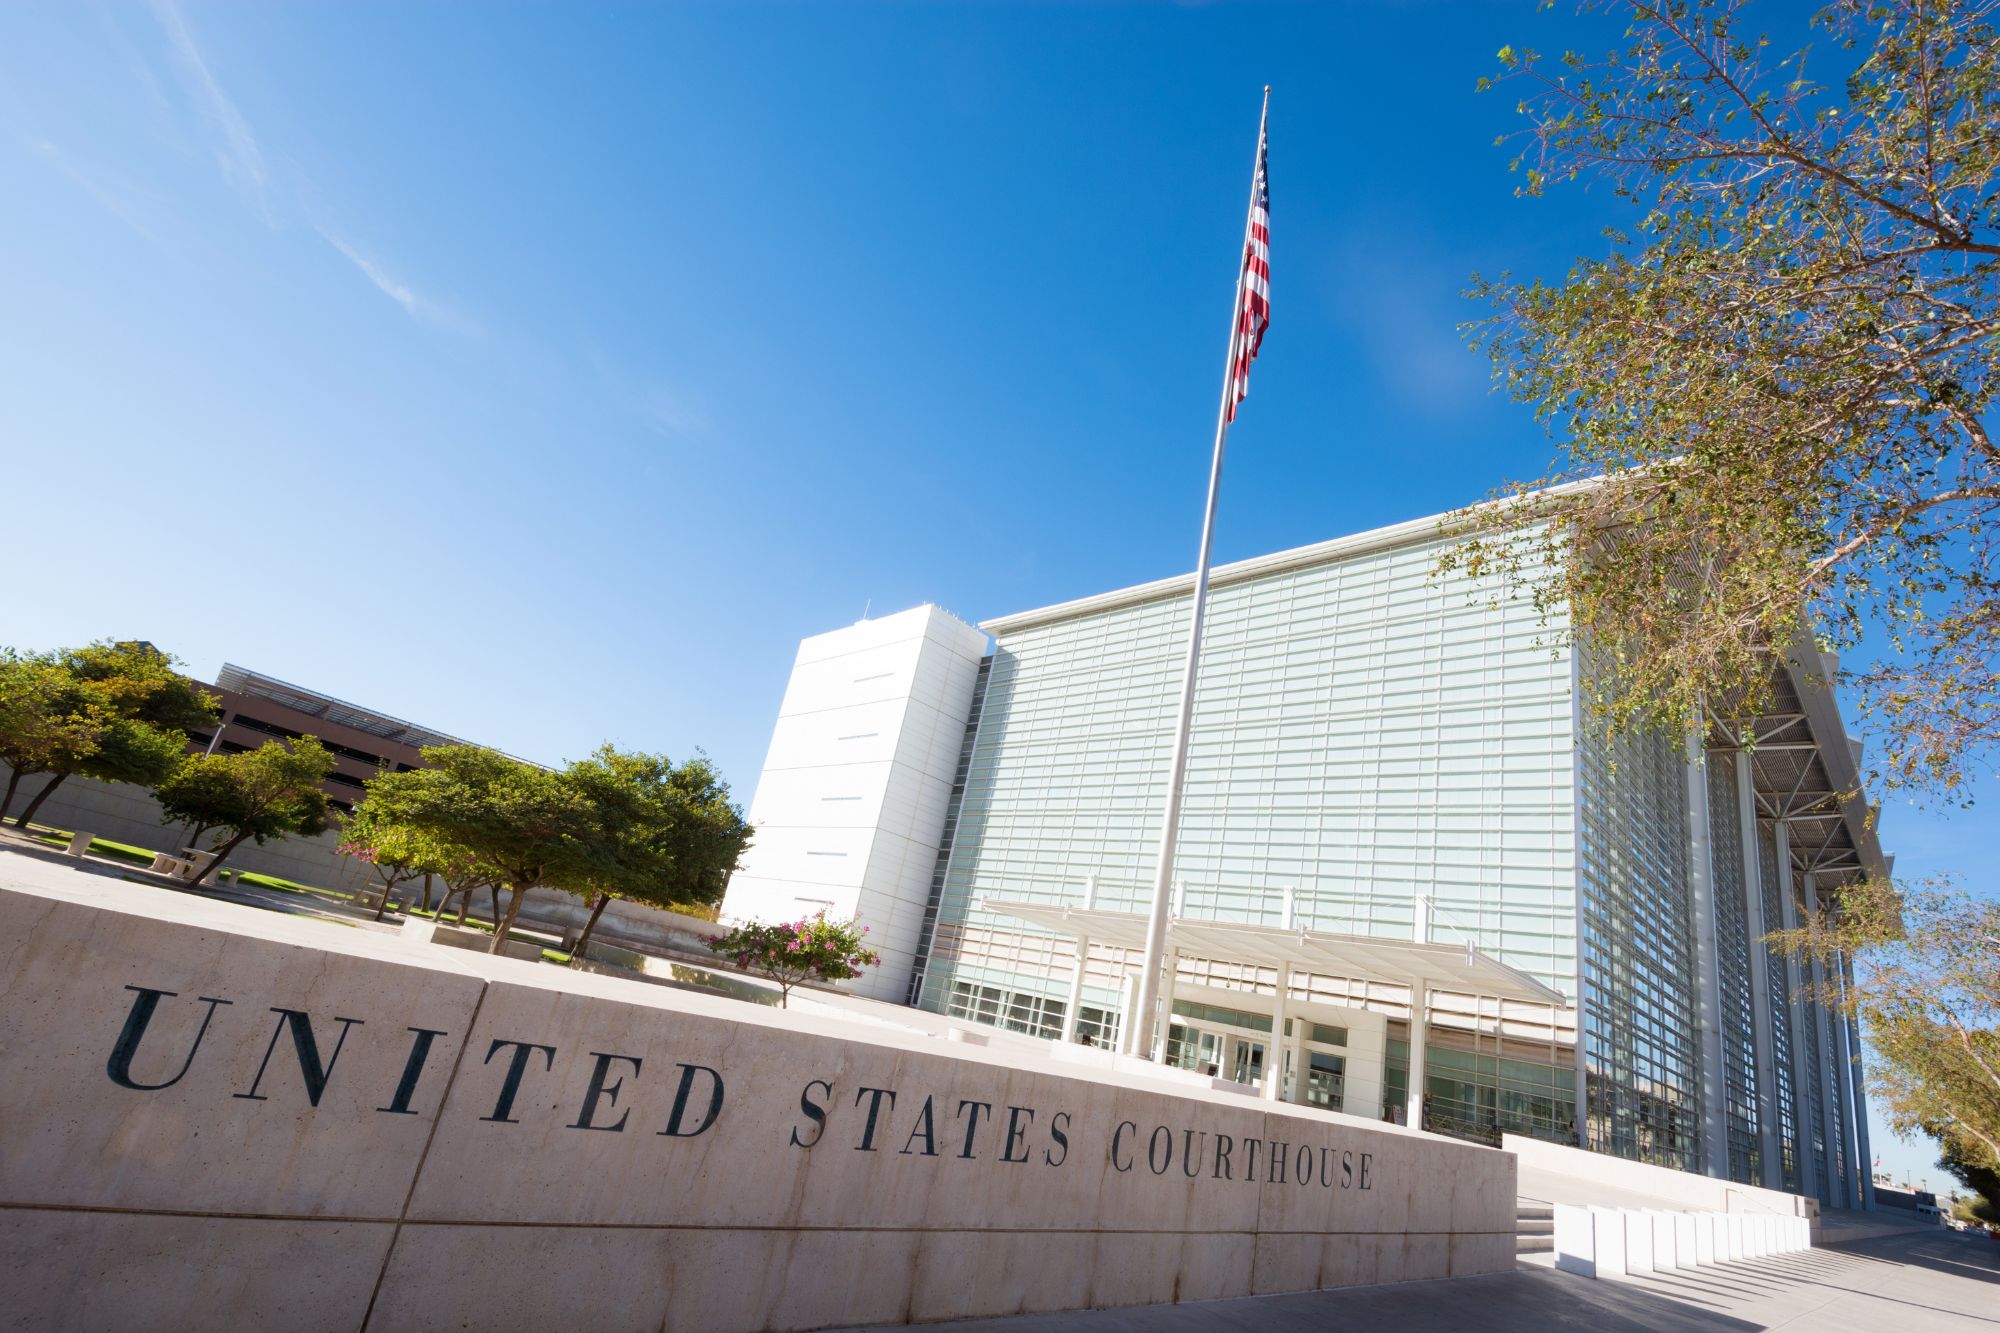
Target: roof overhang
point(1806, 769)
point(1436, 527)
point(1450, 967)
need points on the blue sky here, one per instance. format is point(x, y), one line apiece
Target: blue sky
point(543, 373)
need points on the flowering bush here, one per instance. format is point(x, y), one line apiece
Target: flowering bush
point(789, 952)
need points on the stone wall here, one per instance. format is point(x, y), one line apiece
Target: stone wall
point(218, 1117)
point(122, 812)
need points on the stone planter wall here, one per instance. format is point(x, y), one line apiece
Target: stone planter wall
point(223, 1118)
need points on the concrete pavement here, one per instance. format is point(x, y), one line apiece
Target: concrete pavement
point(1939, 1282)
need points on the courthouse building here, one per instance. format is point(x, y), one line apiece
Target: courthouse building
point(1413, 880)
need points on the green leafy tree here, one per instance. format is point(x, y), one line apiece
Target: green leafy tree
point(789, 952)
point(525, 825)
point(1927, 992)
point(1983, 1180)
point(50, 722)
point(152, 707)
point(270, 792)
point(665, 834)
point(1782, 372)
point(398, 852)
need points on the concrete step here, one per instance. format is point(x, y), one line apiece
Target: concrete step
point(1534, 1244)
point(1535, 1226)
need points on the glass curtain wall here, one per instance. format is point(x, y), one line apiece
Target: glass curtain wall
point(1733, 944)
point(1363, 733)
point(1640, 1059)
point(1781, 1012)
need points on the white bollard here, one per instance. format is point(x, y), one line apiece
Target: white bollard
point(1704, 1238)
point(1609, 1241)
point(1638, 1241)
point(79, 843)
point(1576, 1240)
point(1686, 1253)
point(1732, 1231)
point(1666, 1256)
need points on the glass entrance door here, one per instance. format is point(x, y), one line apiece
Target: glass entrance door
point(1324, 1076)
point(1195, 1048)
point(1246, 1061)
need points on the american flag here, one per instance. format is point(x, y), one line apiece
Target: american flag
point(1253, 307)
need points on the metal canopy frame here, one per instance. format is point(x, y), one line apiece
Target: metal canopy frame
point(1448, 967)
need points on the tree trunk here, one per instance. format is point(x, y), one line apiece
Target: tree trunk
point(501, 927)
point(221, 855)
point(388, 882)
point(427, 891)
point(464, 904)
point(36, 804)
point(13, 785)
point(596, 910)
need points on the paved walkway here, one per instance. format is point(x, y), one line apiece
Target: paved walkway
point(1937, 1282)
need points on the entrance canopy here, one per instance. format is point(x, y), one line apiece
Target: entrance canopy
point(1459, 968)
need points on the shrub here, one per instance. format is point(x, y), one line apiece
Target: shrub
point(788, 952)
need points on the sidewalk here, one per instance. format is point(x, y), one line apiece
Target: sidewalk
point(1935, 1281)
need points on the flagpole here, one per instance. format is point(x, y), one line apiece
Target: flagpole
point(1142, 1027)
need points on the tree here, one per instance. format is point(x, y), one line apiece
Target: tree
point(1783, 373)
point(789, 952)
point(50, 721)
point(270, 792)
point(1981, 1180)
point(398, 852)
point(1927, 991)
point(465, 875)
point(664, 834)
point(527, 825)
point(153, 706)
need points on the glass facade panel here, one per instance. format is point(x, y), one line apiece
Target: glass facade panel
point(1781, 1013)
point(1363, 733)
point(1640, 1059)
point(1732, 944)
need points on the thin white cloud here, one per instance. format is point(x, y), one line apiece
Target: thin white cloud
point(236, 150)
point(664, 413)
point(415, 305)
point(662, 409)
point(119, 198)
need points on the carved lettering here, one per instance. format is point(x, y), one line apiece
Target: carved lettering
point(597, 1089)
point(1058, 1123)
point(677, 1119)
point(972, 1124)
point(517, 1065)
point(119, 1066)
point(1118, 1137)
point(413, 1069)
point(867, 1143)
point(1191, 1146)
point(1158, 1158)
point(925, 1128)
point(1016, 1131)
point(306, 1048)
point(813, 1112)
point(1223, 1144)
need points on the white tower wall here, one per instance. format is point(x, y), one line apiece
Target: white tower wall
point(851, 803)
